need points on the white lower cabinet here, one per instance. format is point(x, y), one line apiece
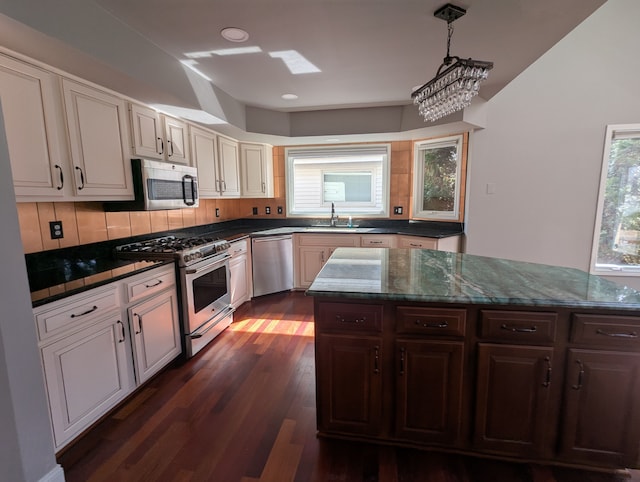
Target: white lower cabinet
point(99, 345)
point(155, 334)
point(241, 276)
point(86, 374)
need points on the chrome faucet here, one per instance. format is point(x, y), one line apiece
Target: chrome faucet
point(334, 218)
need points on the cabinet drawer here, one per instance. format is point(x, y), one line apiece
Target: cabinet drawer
point(153, 282)
point(526, 326)
point(238, 247)
point(417, 242)
point(349, 317)
point(606, 330)
point(434, 321)
point(378, 241)
point(75, 312)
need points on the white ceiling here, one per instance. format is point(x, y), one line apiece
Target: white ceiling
point(370, 53)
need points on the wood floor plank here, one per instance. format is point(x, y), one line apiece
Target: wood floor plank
point(244, 410)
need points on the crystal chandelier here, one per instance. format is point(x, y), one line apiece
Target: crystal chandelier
point(457, 80)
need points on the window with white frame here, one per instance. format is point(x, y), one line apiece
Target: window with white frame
point(438, 170)
point(355, 179)
point(616, 240)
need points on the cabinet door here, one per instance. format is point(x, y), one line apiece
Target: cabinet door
point(513, 400)
point(429, 391)
point(204, 149)
point(310, 262)
point(156, 334)
point(31, 127)
point(99, 140)
point(177, 140)
point(86, 374)
point(348, 384)
point(229, 164)
point(240, 288)
point(257, 173)
point(147, 132)
point(601, 416)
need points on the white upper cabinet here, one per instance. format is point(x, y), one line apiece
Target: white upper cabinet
point(228, 164)
point(31, 111)
point(146, 130)
point(204, 149)
point(177, 139)
point(99, 140)
point(256, 166)
point(158, 136)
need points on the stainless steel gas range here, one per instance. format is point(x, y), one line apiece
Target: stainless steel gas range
point(203, 272)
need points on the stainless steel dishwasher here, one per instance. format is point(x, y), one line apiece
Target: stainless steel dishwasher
point(272, 264)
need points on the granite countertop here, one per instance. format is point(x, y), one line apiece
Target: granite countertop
point(437, 276)
point(57, 273)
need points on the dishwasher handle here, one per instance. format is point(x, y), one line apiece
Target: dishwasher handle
point(271, 238)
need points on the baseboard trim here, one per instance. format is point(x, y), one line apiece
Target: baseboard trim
point(55, 475)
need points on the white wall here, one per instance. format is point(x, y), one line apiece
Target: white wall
point(26, 444)
point(543, 145)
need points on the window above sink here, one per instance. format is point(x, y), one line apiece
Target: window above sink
point(355, 179)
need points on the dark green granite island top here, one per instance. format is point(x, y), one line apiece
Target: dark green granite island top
point(436, 276)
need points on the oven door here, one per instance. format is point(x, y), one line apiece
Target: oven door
point(206, 294)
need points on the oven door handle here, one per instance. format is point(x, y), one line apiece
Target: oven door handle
point(198, 334)
point(207, 267)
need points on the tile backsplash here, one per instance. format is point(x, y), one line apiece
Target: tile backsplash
point(87, 222)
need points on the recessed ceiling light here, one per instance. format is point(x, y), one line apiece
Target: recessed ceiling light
point(289, 96)
point(233, 34)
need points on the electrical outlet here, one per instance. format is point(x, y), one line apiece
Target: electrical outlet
point(217, 212)
point(267, 210)
point(397, 210)
point(255, 211)
point(55, 227)
point(279, 209)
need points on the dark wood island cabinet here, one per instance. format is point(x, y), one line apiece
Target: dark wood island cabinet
point(478, 355)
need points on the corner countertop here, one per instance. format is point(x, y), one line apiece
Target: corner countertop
point(420, 275)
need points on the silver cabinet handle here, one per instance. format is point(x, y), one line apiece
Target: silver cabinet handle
point(161, 146)
point(517, 329)
point(631, 334)
point(424, 324)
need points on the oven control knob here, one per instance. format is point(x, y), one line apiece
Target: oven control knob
point(187, 258)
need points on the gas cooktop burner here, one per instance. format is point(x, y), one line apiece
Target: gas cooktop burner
point(186, 250)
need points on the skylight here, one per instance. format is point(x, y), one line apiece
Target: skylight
point(295, 62)
point(222, 52)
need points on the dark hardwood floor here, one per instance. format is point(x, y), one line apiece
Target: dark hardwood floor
point(244, 410)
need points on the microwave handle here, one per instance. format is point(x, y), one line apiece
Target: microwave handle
point(187, 179)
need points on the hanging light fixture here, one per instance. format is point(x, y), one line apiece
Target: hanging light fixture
point(457, 80)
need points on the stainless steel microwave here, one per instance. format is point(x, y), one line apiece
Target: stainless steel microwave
point(159, 185)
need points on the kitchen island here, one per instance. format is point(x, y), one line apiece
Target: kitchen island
point(478, 355)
